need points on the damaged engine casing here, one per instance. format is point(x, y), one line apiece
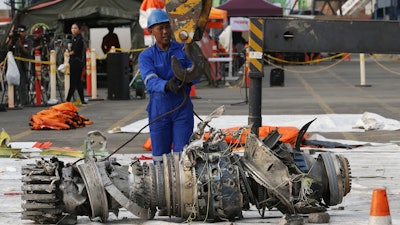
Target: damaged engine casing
point(207, 181)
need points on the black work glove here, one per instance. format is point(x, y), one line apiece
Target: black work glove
point(172, 86)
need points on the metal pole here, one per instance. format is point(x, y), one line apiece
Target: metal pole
point(66, 74)
point(53, 76)
point(256, 73)
point(12, 5)
point(255, 93)
point(362, 69)
point(10, 88)
point(230, 56)
point(88, 72)
point(362, 72)
point(38, 77)
point(94, 74)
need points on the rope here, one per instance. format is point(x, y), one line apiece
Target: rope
point(155, 120)
point(310, 71)
point(382, 66)
point(241, 82)
point(121, 50)
point(48, 62)
point(308, 62)
point(31, 60)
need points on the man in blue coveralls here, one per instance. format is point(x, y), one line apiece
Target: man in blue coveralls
point(176, 122)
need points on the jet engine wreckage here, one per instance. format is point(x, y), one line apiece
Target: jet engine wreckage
point(207, 181)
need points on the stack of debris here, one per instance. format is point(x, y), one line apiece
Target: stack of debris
point(59, 117)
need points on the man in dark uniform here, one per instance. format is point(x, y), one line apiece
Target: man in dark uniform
point(109, 40)
point(20, 48)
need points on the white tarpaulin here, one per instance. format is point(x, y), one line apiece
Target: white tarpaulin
point(323, 122)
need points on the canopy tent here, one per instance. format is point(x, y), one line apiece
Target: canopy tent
point(59, 15)
point(218, 18)
point(250, 8)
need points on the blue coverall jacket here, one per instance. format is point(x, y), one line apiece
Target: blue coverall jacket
point(176, 128)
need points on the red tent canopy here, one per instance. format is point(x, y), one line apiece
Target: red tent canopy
point(250, 8)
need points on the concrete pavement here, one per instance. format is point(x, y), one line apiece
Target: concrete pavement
point(311, 89)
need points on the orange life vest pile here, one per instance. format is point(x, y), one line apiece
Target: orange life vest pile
point(63, 116)
point(289, 135)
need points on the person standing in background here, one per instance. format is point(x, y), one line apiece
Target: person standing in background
point(20, 47)
point(37, 40)
point(76, 62)
point(109, 40)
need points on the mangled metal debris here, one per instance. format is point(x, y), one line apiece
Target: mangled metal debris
point(207, 182)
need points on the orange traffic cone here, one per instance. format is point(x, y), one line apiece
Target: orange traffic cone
point(147, 144)
point(379, 213)
point(306, 57)
point(193, 93)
